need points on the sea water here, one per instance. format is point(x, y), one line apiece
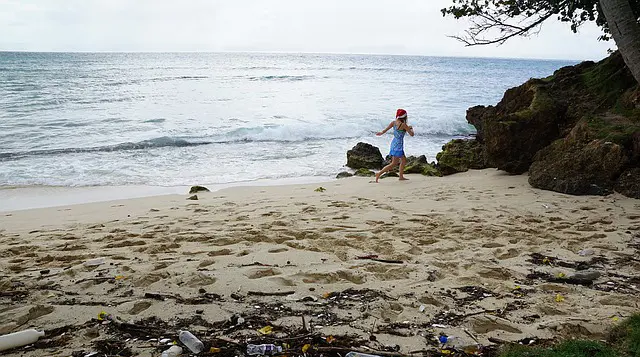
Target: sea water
point(177, 119)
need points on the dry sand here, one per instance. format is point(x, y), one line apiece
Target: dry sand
point(465, 242)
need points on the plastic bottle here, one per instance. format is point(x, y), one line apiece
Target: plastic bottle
point(448, 341)
point(358, 354)
point(191, 341)
point(173, 351)
point(18, 339)
point(263, 350)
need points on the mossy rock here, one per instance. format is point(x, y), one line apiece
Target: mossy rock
point(196, 189)
point(430, 170)
point(459, 156)
point(364, 173)
point(577, 168)
point(364, 156)
point(344, 174)
point(628, 183)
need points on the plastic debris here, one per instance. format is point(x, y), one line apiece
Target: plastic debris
point(305, 348)
point(214, 350)
point(559, 298)
point(586, 252)
point(18, 339)
point(422, 308)
point(191, 341)
point(266, 330)
point(263, 350)
point(173, 351)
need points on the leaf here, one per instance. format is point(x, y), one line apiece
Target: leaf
point(320, 189)
point(559, 298)
point(305, 348)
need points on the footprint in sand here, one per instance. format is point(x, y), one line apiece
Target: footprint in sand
point(332, 277)
point(200, 279)
point(139, 307)
point(262, 273)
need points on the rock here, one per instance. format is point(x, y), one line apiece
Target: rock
point(575, 168)
point(344, 174)
point(628, 183)
point(459, 156)
point(534, 115)
point(364, 156)
point(586, 276)
point(364, 173)
point(431, 170)
point(196, 189)
point(193, 198)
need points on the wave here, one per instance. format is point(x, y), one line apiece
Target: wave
point(291, 78)
point(268, 133)
point(164, 141)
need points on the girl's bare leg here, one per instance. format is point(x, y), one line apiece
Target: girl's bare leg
point(403, 163)
point(394, 163)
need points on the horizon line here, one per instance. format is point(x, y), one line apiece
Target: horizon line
point(294, 53)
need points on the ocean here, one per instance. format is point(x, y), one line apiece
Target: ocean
point(177, 119)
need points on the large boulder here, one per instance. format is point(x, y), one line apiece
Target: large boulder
point(576, 168)
point(526, 120)
point(532, 116)
point(628, 183)
point(460, 155)
point(364, 156)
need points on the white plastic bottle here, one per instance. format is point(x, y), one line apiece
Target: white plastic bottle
point(173, 351)
point(191, 341)
point(263, 350)
point(18, 339)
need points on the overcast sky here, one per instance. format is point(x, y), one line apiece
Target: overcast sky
point(335, 26)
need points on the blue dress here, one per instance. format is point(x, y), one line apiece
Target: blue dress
point(397, 144)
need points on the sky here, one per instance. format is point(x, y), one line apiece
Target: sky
point(402, 27)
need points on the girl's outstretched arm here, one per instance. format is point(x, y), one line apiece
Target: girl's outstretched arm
point(385, 130)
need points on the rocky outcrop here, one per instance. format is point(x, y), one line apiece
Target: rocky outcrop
point(459, 156)
point(364, 156)
point(589, 169)
point(575, 132)
point(629, 183)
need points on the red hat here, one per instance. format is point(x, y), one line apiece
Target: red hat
point(401, 114)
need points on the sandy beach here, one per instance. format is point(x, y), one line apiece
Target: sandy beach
point(480, 252)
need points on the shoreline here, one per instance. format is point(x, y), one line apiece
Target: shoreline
point(479, 251)
point(34, 197)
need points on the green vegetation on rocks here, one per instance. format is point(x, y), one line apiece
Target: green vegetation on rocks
point(459, 156)
point(364, 173)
